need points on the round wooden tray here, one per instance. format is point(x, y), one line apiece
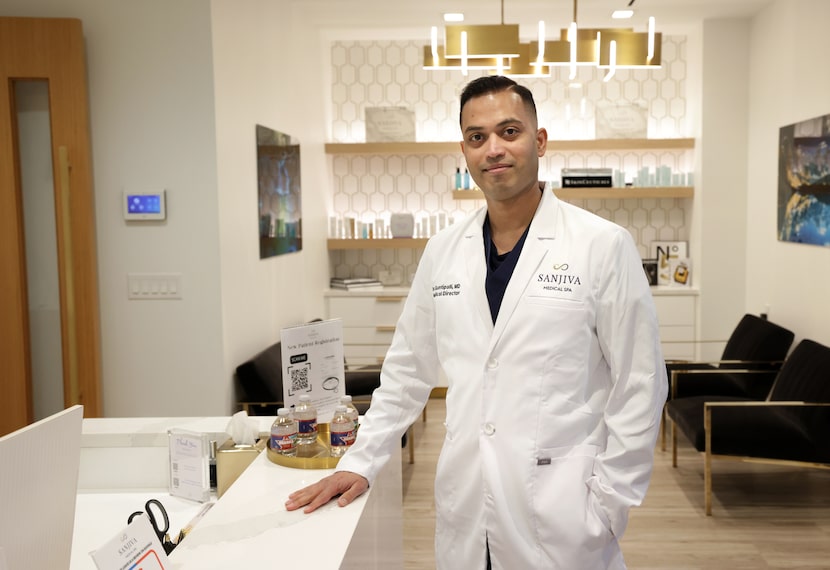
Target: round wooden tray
point(315, 455)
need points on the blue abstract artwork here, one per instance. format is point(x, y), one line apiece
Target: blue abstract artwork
point(804, 182)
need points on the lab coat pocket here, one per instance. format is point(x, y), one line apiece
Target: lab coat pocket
point(566, 519)
point(594, 487)
point(597, 492)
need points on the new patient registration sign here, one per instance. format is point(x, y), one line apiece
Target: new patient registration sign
point(313, 364)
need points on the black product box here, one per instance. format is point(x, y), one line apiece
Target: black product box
point(587, 178)
point(586, 182)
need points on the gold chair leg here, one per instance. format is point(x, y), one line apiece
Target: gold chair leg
point(673, 444)
point(707, 461)
point(411, 442)
point(663, 430)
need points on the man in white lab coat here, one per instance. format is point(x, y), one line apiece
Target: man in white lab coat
point(540, 315)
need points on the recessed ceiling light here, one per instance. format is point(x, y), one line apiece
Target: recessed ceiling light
point(453, 17)
point(622, 14)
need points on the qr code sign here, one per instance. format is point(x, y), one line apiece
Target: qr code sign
point(299, 378)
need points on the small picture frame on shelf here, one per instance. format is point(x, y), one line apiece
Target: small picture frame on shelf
point(673, 263)
point(650, 268)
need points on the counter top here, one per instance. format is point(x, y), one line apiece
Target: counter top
point(250, 528)
point(124, 462)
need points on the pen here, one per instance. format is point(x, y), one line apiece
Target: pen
point(186, 529)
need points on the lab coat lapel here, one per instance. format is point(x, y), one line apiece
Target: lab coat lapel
point(473, 250)
point(540, 240)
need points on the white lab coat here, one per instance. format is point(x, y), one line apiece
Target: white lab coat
point(552, 413)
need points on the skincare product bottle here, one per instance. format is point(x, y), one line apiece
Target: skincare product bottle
point(467, 184)
point(458, 178)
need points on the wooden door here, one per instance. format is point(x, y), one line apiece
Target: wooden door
point(49, 49)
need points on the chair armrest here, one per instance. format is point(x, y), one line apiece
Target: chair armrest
point(701, 341)
point(709, 407)
point(695, 364)
point(782, 403)
point(675, 374)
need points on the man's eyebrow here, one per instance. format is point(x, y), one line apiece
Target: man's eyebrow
point(504, 123)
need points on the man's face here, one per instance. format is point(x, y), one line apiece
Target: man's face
point(501, 144)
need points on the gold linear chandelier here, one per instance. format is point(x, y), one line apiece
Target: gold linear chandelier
point(497, 49)
point(475, 47)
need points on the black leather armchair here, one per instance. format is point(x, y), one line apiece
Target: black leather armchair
point(755, 350)
point(791, 426)
point(259, 383)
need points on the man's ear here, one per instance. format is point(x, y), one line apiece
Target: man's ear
point(541, 142)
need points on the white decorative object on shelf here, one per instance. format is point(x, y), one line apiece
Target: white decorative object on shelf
point(402, 225)
point(390, 124)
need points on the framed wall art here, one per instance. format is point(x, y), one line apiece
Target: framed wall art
point(278, 193)
point(804, 182)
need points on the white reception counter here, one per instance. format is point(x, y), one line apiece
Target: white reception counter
point(124, 462)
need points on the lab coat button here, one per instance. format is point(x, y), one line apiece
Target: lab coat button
point(492, 363)
point(489, 429)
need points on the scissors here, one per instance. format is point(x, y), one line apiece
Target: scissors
point(161, 531)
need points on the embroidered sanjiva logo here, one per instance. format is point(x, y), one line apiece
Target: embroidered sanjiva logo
point(559, 280)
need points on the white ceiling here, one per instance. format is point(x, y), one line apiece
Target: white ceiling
point(670, 14)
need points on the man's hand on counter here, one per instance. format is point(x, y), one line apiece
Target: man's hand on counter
point(344, 483)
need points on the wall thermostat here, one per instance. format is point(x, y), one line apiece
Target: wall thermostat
point(148, 205)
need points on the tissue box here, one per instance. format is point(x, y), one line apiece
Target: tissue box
point(232, 459)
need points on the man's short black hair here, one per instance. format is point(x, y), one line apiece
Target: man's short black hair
point(495, 84)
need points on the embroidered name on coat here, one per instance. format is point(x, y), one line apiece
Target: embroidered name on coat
point(448, 290)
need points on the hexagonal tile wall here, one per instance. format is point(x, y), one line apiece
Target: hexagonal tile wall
point(389, 74)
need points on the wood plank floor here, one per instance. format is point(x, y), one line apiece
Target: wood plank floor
point(763, 516)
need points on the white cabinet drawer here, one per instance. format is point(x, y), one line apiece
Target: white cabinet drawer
point(677, 317)
point(676, 342)
point(368, 335)
point(675, 310)
point(364, 353)
point(366, 311)
point(679, 351)
point(677, 334)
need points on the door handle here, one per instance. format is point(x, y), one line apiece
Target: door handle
point(71, 358)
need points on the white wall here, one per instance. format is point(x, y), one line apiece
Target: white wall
point(151, 105)
point(788, 83)
point(265, 74)
point(721, 190)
